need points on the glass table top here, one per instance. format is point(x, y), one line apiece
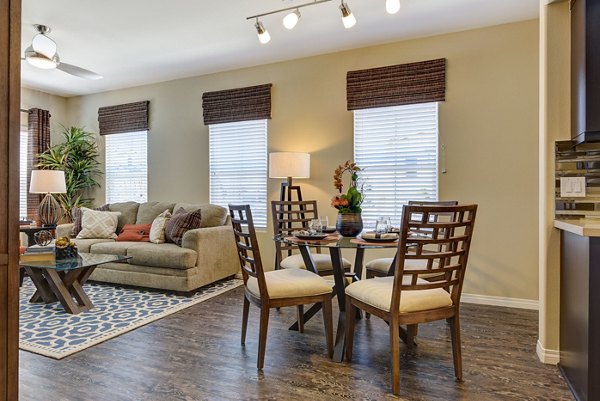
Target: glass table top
point(81, 261)
point(337, 241)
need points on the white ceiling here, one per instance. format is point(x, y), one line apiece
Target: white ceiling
point(136, 42)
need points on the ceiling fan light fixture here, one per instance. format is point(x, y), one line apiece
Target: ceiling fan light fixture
point(348, 18)
point(263, 34)
point(290, 20)
point(392, 6)
point(40, 61)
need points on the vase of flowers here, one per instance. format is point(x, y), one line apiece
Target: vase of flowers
point(349, 219)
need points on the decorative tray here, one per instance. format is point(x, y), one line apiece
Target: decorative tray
point(309, 237)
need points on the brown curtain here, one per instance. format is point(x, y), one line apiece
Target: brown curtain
point(242, 104)
point(38, 140)
point(122, 118)
point(395, 85)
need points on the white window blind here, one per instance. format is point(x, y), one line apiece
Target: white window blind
point(397, 149)
point(238, 166)
point(23, 175)
point(126, 164)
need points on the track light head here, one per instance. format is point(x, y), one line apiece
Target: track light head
point(263, 34)
point(290, 20)
point(347, 17)
point(392, 6)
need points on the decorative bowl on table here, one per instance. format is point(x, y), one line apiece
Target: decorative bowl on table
point(373, 236)
point(309, 235)
point(64, 248)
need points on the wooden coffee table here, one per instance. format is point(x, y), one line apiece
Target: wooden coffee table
point(63, 280)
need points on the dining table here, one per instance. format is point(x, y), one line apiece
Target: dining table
point(335, 243)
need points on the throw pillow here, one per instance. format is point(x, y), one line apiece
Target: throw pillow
point(97, 224)
point(76, 218)
point(135, 232)
point(180, 223)
point(157, 230)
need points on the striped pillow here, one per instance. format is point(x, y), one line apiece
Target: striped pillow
point(76, 215)
point(180, 223)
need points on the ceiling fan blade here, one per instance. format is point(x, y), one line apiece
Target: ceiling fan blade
point(44, 45)
point(78, 71)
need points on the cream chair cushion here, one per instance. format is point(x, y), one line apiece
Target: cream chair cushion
point(383, 265)
point(322, 262)
point(290, 283)
point(377, 292)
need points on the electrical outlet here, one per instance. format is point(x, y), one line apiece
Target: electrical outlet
point(572, 187)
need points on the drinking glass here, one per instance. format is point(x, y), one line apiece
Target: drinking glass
point(383, 225)
point(315, 226)
point(324, 221)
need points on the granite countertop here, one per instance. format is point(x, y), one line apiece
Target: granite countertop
point(583, 227)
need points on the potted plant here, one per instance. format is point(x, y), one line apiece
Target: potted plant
point(77, 155)
point(349, 219)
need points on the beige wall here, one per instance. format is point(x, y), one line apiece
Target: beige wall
point(57, 106)
point(488, 123)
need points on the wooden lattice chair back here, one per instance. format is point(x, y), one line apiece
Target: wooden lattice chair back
point(289, 217)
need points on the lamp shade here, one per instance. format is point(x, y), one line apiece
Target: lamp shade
point(47, 181)
point(289, 164)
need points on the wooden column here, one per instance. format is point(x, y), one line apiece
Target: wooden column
point(10, 75)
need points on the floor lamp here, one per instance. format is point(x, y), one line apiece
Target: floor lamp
point(289, 165)
point(48, 182)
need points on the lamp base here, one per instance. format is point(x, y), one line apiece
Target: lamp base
point(49, 211)
point(286, 191)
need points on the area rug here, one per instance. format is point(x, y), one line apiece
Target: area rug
point(48, 330)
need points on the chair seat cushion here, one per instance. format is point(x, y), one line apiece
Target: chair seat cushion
point(290, 283)
point(322, 262)
point(377, 292)
point(382, 265)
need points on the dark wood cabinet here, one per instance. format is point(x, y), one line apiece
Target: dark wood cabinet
point(585, 70)
point(580, 314)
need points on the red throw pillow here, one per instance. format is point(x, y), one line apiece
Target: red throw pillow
point(135, 232)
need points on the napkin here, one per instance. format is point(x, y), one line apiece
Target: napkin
point(374, 235)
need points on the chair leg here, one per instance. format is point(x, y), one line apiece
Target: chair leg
point(368, 276)
point(395, 346)
point(262, 336)
point(411, 334)
point(300, 318)
point(328, 322)
point(350, 323)
point(456, 347)
point(245, 319)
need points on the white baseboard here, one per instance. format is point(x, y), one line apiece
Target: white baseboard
point(500, 301)
point(549, 356)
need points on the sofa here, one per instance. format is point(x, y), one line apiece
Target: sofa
point(206, 254)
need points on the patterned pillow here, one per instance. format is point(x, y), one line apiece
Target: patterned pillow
point(180, 223)
point(76, 218)
point(97, 224)
point(135, 232)
point(157, 230)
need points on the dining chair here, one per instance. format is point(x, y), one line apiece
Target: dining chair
point(277, 288)
point(289, 217)
point(406, 298)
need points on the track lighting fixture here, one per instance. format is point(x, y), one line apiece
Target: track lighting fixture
point(263, 34)
point(293, 15)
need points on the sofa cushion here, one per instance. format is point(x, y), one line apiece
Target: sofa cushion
point(162, 255)
point(128, 212)
point(84, 244)
point(113, 248)
point(180, 223)
point(148, 211)
point(76, 214)
point(212, 215)
point(135, 232)
point(96, 224)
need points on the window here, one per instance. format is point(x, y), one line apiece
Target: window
point(238, 166)
point(397, 148)
point(126, 164)
point(23, 190)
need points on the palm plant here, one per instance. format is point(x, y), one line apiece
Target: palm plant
point(77, 155)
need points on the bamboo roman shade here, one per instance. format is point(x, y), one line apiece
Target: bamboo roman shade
point(242, 104)
point(122, 118)
point(38, 141)
point(396, 85)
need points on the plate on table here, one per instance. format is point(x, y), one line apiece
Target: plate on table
point(382, 240)
point(309, 237)
point(329, 230)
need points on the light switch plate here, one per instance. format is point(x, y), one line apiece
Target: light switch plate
point(572, 187)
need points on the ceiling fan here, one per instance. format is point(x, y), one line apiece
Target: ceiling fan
point(42, 54)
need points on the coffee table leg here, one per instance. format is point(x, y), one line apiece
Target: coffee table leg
point(73, 281)
point(61, 292)
point(43, 291)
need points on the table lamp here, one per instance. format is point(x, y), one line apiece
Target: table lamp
point(289, 165)
point(48, 182)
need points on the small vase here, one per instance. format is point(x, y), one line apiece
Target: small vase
point(349, 224)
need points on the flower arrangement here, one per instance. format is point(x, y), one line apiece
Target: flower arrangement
point(350, 201)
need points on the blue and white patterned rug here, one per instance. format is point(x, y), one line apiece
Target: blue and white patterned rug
point(48, 330)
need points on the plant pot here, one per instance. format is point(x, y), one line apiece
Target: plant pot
point(349, 224)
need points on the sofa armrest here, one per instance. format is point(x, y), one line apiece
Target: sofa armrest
point(64, 230)
point(215, 247)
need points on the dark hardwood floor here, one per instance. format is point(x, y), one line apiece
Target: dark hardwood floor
point(196, 354)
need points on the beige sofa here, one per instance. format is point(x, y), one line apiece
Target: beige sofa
point(207, 254)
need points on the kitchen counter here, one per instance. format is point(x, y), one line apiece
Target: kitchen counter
point(583, 227)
